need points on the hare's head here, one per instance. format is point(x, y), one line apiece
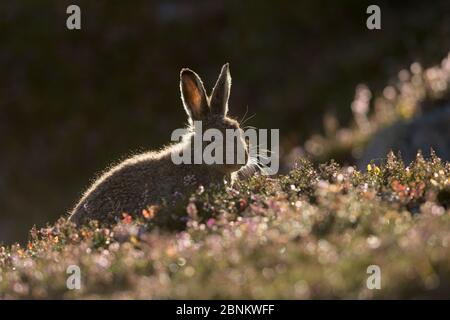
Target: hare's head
point(218, 131)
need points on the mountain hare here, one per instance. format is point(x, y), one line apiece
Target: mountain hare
point(146, 179)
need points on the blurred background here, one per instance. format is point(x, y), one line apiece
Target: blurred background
point(74, 102)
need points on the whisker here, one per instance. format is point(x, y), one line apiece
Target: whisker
point(250, 117)
point(242, 119)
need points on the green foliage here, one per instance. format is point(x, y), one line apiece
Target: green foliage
point(309, 234)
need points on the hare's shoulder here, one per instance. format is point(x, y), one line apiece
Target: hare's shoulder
point(138, 163)
point(130, 169)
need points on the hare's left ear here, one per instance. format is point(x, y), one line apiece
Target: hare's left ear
point(221, 92)
point(193, 95)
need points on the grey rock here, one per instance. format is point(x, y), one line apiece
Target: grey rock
point(432, 130)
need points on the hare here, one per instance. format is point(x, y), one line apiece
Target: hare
point(149, 178)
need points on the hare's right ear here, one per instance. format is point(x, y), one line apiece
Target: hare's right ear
point(221, 92)
point(193, 95)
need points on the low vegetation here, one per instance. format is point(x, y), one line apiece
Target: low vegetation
point(309, 234)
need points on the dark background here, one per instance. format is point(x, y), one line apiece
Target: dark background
point(73, 102)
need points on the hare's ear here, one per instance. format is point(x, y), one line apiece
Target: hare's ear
point(221, 92)
point(193, 95)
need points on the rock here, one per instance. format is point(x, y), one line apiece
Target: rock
point(432, 130)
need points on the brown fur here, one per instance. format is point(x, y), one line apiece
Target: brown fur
point(148, 178)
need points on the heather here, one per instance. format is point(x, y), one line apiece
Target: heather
point(309, 234)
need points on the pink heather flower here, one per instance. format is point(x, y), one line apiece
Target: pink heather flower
point(210, 222)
